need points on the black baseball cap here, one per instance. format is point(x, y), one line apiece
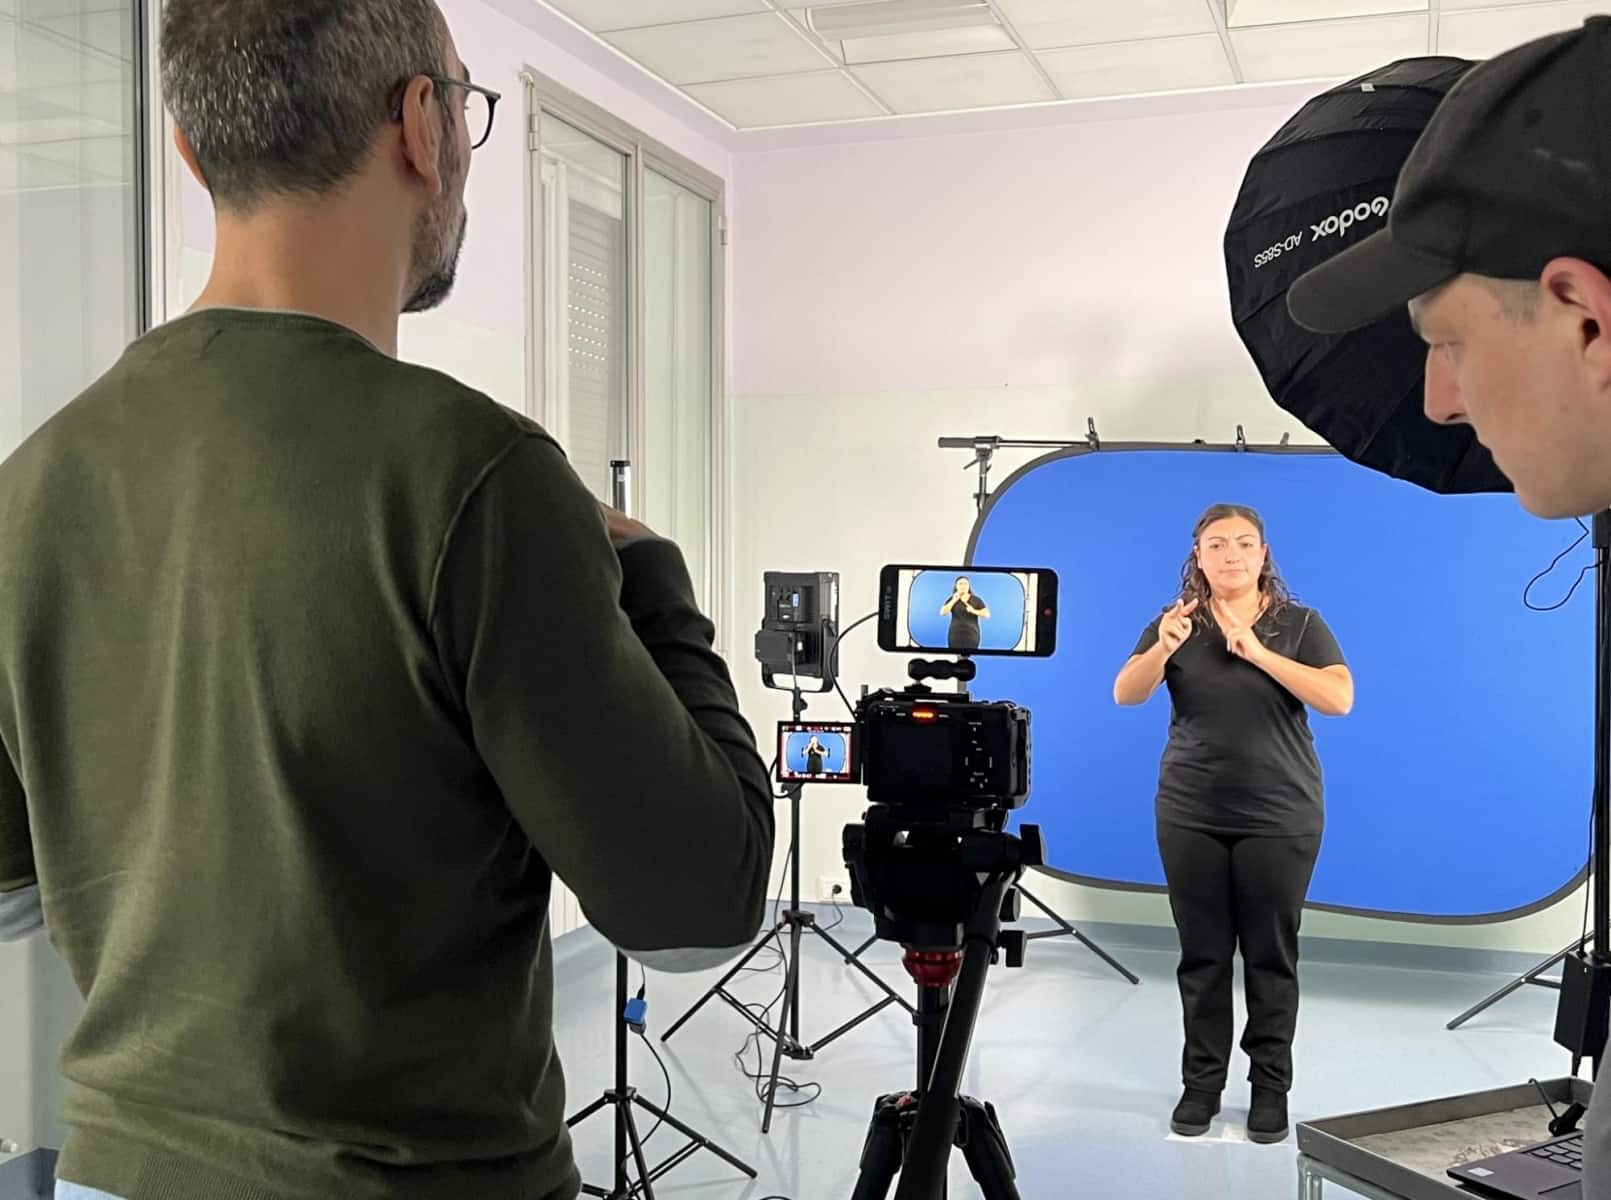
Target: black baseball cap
point(1513, 170)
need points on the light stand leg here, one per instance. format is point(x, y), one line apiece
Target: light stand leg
point(790, 988)
point(1066, 930)
point(1515, 985)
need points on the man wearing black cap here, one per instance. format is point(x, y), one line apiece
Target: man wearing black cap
point(1499, 241)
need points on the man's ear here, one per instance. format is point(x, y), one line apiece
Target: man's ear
point(422, 133)
point(187, 153)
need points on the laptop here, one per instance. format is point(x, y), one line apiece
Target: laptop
point(1551, 1170)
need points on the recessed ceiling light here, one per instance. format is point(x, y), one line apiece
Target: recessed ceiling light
point(892, 18)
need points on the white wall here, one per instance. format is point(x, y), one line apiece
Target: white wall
point(1009, 281)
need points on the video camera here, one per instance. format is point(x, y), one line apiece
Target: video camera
point(942, 770)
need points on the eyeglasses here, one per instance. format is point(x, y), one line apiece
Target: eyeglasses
point(479, 105)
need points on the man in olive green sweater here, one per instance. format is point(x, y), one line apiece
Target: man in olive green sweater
point(317, 668)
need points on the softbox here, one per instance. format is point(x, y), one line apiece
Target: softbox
point(1322, 182)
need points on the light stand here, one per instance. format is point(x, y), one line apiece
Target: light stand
point(628, 1143)
point(786, 1037)
point(620, 1098)
point(1585, 986)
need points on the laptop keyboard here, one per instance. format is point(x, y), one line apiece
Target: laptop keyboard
point(1568, 1152)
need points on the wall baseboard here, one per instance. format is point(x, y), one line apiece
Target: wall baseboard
point(584, 948)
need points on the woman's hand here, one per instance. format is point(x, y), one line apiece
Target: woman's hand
point(1174, 627)
point(1239, 636)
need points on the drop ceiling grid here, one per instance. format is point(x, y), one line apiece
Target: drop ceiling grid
point(725, 55)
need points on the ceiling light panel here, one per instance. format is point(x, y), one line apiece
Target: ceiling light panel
point(1450, 5)
point(730, 48)
point(1245, 13)
point(1327, 49)
point(1050, 23)
point(897, 18)
point(923, 45)
point(1131, 68)
point(606, 16)
point(786, 100)
point(962, 82)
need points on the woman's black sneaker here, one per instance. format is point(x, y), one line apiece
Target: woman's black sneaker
point(1267, 1118)
point(1195, 1113)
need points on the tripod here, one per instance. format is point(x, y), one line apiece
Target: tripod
point(620, 1099)
point(786, 1038)
point(1586, 992)
point(1064, 930)
point(912, 1132)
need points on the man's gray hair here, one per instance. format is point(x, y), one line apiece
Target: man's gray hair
point(285, 97)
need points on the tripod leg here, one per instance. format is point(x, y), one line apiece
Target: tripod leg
point(721, 983)
point(693, 1135)
point(1057, 918)
point(587, 1112)
point(985, 1148)
point(1106, 957)
point(881, 1155)
point(790, 984)
point(852, 960)
point(645, 1185)
point(855, 955)
point(1515, 985)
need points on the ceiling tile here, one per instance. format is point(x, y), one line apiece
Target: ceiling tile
point(786, 100)
point(604, 16)
point(1157, 65)
point(729, 48)
point(1245, 13)
point(1327, 49)
point(1481, 33)
point(949, 84)
point(1048, 23)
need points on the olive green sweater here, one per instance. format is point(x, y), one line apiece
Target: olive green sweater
point(315, 670)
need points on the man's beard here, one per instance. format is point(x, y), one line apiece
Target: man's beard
point(436, 281)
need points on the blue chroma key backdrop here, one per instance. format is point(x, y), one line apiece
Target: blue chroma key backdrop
point(1459, 787)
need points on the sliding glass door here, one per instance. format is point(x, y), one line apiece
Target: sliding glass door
point(72, 296)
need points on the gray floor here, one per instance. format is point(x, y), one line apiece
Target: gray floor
point(1082, 1067)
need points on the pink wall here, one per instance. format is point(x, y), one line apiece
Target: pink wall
point(1038, 255)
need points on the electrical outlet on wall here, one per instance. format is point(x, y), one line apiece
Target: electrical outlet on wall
point(834, 887)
